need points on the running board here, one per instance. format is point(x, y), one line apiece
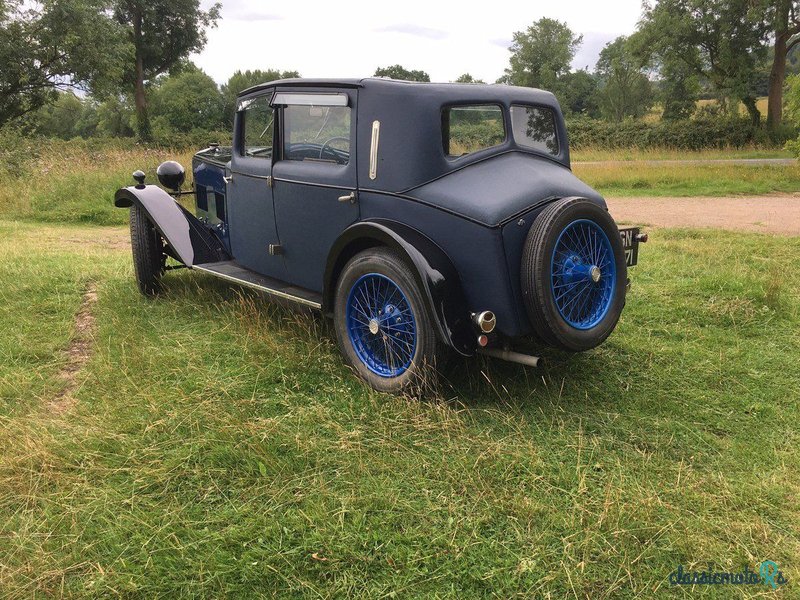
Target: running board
point(230, 270)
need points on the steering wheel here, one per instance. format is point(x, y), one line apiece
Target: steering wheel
point(328, 143)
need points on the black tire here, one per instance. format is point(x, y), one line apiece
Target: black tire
point(149, 258)
point(536, 276)
point(420, 376)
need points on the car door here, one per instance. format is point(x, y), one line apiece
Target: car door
point(314, 178)
point(251, 211)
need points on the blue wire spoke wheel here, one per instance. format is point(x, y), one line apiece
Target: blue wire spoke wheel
point(583, 274)
point(381, 326)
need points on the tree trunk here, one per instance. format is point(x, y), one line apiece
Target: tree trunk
point(777, 74)
point(752, 110)
point(140, 99)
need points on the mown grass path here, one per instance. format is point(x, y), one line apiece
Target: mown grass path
point(216, 446)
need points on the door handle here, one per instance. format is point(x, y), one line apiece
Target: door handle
point(351, 198)
point(228, 178)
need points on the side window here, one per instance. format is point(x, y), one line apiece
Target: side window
point(467, 129)
point(316, 133)
point(535, 127)
point(258, 126)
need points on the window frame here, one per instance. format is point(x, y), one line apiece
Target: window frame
point(445, 128)
point(556, 129)
point(241, 109)
point(279, 149)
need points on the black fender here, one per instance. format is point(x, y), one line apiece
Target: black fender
point(434, 270)
point(190, 241)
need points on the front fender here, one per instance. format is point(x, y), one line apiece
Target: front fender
point(435, 274)
point(191, 242)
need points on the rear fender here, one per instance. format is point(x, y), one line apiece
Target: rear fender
point(191, 242)
point(435, 274)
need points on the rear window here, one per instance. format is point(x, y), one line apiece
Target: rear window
point(467, 129)
point(535, 127)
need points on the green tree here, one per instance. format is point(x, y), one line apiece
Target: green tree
point(188, 101)
point(59, 118)
point(241, 80)
point(52, 45)
point(625, 90)
point(400, 72)
point(578, 93)
point(785, 19)
point(678, 90)
point(467, 78)
point(723, 41)
point(541, 55)
point(162, 33)
point(116, 116)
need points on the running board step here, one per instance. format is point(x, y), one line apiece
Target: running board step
point(230, 270)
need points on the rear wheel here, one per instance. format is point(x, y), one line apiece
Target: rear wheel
point(149, 258)
point(382, 323)
point(574, 274)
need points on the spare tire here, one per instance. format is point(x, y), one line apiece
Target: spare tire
point(573, 274)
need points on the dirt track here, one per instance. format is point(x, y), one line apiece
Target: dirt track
point(777, 214)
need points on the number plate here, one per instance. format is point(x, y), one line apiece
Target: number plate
point(630, 244)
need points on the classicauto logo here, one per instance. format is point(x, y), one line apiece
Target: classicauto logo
point(768, 574)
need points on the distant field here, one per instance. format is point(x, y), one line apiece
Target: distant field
point(600, 154)
point(632, 179)
point(212, 444)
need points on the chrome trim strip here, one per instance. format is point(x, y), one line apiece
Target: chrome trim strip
point(311, 183)
point(261, 288)
point(373, 150)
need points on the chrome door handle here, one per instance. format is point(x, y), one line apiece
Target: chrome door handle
point(351, 198)
point(228, 178)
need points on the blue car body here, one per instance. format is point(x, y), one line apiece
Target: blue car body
point(462, 221)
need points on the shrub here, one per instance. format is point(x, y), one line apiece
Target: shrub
point(687, 134)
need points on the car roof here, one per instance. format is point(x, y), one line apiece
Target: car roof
point(496, 91)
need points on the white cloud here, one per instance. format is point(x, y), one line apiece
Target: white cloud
point(415, 30)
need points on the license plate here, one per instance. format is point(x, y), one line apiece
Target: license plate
point(630, 243)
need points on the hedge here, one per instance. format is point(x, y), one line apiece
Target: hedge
point(690, 134)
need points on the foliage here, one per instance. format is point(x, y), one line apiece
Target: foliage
point(162, 33)
point(185, 102)
point(400, 72)
point(694, 134)
point(467, 78)
point(719, 40)
point(541, 55)
point(678, 90)
point(49, 45)
point(625, 90)
point(578, 93)
point(241, 80)
point(792, 98)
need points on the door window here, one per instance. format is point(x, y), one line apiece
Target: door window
point(316, 133)
point(258, 127)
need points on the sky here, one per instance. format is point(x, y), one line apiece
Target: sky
point(324, 38)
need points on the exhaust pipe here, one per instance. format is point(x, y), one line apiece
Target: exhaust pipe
point(523, 359)
point(485, 321)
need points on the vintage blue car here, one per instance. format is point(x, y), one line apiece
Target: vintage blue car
point(424, 218)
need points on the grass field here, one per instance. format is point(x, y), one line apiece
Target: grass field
point(77, 186)
point(214, 445)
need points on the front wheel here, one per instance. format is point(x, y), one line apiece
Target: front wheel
point(149, 258)
point(382, 323)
